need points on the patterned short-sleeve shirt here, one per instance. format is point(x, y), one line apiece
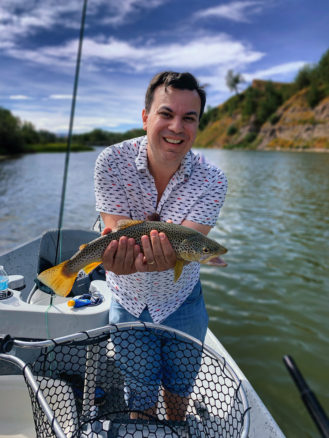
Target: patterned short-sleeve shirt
point(124, 186)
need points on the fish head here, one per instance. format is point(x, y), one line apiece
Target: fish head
point(201, 249)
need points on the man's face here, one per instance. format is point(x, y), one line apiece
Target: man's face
point(171, 124)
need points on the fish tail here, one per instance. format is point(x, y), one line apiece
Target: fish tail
point(58, 279)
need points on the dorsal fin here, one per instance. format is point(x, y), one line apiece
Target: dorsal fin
point(126, 223)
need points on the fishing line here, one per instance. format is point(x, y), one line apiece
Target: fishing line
point(69, 137)
point(58, 253)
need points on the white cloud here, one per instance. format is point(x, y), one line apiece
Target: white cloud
point(277, 70)
point(202, 52)
point(122, 11)
point(60, 96)
point(58, 121)
point(236, 11)
point(19, 97)
point(21, 18)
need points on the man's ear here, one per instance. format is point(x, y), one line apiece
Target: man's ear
point(144, 118)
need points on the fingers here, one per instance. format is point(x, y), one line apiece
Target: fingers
point(158, 253)
point(124, 256)
point(119, 257)
point(106, 230)
point(167, 249)
point(109, 254)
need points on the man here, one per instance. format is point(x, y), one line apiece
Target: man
point(159, 173)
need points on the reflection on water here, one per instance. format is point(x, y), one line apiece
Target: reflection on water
point(271, 300)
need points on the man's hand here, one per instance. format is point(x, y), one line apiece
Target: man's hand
point(124, 257)
point(119, 257)
point(158, 253)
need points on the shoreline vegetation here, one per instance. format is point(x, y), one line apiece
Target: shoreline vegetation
point(267, 115)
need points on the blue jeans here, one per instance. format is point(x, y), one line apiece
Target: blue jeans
point(160, 359)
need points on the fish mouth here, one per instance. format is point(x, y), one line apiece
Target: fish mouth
point(215, 261)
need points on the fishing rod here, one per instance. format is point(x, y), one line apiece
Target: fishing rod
point(311, 402)
point(69, 137)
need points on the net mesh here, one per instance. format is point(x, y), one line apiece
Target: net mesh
point(136, 381)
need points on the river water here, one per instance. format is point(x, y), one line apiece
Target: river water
point(271, 300)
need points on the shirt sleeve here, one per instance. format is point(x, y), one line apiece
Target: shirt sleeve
point(206, 209)
point(109, 192)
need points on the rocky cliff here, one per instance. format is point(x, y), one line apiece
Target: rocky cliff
point(297, 126)
point(293, 125)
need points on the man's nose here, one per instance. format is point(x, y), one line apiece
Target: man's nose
point(176, 125)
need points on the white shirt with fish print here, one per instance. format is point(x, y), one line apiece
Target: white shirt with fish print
point(124, 186)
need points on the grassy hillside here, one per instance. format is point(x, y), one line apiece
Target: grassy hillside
point(273, 115)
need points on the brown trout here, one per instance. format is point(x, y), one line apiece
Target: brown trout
point(188, 244)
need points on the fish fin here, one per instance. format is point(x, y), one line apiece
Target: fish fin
point(125, 223)
point(178, 269)
point(81, 247)
point(58, 280)
point(91, 266)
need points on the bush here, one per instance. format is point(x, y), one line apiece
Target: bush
point(314, 95)
point(304, 77)
point(250, 102)
point(274, 119)
point(232, 104)
point(210, 115)
point(323, 69)
point(231, 130)
point(250, 137)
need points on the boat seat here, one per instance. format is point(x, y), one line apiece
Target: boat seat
point(71, 240)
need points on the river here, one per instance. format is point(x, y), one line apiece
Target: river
point(271, 300)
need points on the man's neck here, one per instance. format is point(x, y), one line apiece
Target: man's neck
point(162, 174)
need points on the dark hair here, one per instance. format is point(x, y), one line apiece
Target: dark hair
point(182, 81)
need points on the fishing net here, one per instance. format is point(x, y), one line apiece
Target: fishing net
point(137, 380)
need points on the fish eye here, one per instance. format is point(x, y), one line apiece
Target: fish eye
point(205, 250)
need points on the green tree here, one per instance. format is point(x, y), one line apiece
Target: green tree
point(304, 77)
point(314, 94)
point(11, 139)
point(250, 103)
point(29, 134)
point(323, 69)
point(233, 80)
point(269, 103)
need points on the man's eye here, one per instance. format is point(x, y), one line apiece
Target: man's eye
point(190, 119)
point(166, 115)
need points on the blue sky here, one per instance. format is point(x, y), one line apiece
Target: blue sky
point(128, 41)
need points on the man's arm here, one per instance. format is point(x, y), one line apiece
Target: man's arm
point(204, 229)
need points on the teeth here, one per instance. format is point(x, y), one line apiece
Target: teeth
point(170, 140)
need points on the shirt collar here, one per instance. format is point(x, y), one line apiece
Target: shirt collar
point(184, 170)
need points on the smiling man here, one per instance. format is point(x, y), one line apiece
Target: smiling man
point(159, 174)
